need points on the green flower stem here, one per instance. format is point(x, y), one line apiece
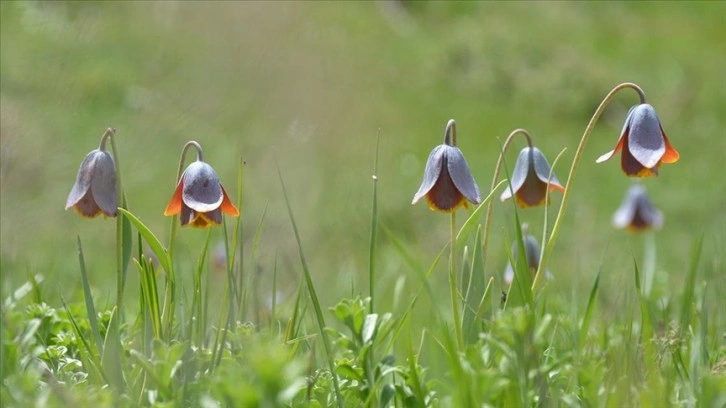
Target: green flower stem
point(453, 285)
point(110, 133)
point(168, 311)
point(573, 169)
point(546, 209)
point(500, 160)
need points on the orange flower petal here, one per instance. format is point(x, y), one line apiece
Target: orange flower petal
point(175, 205)
point(557, 187)
point(227, 206)
point(671, 155)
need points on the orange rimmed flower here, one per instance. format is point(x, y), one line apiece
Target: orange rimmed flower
point(447, 183)
point(643, 142)
point(199, 197)
point(94, 191)
point(637, 213)
point(529, 179)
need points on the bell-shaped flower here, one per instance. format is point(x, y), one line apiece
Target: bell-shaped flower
point(199, 197)
point(636, 212)
point(447, 183)
point(532, 253)
point(95, 189)
point(643, 143)
point(529, 179)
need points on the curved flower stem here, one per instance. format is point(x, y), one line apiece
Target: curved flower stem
point(537, 276)
point(200, 157)
point(573, 169)
point(168, 310)
point(110, 133)
point(487, 220)
point(450, 133)
point(453, 286)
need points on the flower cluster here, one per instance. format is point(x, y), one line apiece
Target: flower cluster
point(448, 184)
point(199, 198)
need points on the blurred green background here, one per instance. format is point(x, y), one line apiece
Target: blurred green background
point(309, 85)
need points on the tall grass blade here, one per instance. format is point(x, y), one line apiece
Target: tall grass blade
point(273, 308)
point(89, 358)
point(545, 223)
point(475, 292)
point(486, 299)
point(238, 233)
point(416, 267)
point(313, 296)
point(232, 311)
point(90, 309)
point(151, 312)
point(196, 317)
point(689, 290)
point(374, 235)
point(126, 244)
point(587, 318)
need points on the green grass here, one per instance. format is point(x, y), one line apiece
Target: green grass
point(331, 91)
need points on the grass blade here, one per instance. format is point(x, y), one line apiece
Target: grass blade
point(88, 357)
point(90, 309)
point(689, 290)
point(475, 292)
point(374, 223)
point(150, 294)
point(473, 219)
point(585, 324)
point(111, 358)
point(196, 317)
point(313, 296)
point(154, 244)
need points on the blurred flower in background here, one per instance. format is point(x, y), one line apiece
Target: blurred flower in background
point(532, 253)
point(636, 212)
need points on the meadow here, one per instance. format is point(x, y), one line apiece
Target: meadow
point(330, 288)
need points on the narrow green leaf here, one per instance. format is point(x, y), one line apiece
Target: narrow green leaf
point(88, 296)
point(111, 358)
point(313, 296)
point(149, 292)
point(126, 244)
point(196, 317)
point(475, 292)
point(585, 324)
point(154, 244)
point(473, 219)
point(485, 300)
point(89, 358)
point(373, 236)
point(545, 224)
point(689, 290)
